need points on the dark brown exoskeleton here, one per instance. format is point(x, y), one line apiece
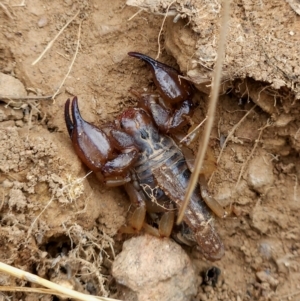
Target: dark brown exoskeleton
point(137, 152)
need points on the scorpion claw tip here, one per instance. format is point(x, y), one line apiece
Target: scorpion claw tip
point(75, 112)
point(145, 58)
point(68, 120)
point(135, 54)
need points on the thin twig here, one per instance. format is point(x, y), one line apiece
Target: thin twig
point(134, 15)
point(5, 268)
point(6, 11)
point(55, 38)
point(29, 97)
point(211, 111)
point(72, 63)
point(20, 5)
point(295, 187)
point(193, 131)
point(161, 28)
point(39, 215)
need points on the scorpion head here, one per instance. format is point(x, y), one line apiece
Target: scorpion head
point(139, 125)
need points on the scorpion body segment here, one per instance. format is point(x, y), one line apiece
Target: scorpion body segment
point(136, 152)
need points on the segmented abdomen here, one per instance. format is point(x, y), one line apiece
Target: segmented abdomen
point(162, 171)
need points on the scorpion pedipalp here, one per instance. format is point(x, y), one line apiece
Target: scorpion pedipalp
point(91, 144)
point(172, 88)
point(109, 156)
point(171, 110)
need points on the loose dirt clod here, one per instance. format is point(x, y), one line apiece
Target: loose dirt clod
point(11, 86)
point(156, 269)
point(260, 173)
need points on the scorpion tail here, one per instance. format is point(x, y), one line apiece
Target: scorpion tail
point(209, 243)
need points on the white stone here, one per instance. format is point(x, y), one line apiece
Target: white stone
point(156, 269)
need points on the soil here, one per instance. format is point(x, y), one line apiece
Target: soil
point(59, 222)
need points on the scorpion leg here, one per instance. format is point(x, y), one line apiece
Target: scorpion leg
point(209, 200)
point(137, 220)
point(96, 150)
point(208, 167)
point(168, 120)
point(165, 117)
point(166, 224)
point(137, 199)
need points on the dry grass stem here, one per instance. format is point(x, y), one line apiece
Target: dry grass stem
point(295, 187)
point(290, 295)
point(29, 97)
point(296, 135)
point(20, 5)
point(55, 38)
point(193, 131)
point(27, 290)
point(152, 197)
point(232, 132)
point(6, 11)
point(161, 28)
point(211, 111)
point(5, 268)
point(36, 219)
point(72, 63)
point(134, 15)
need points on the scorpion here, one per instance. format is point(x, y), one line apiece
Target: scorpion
point(137, 151)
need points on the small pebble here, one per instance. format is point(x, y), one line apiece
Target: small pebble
point(7, 184)
point(43, 21)
point(264, 277)
point(265, 250)
point(209, 289)
point(19, 123)
point(70, 90)
point(202, 297)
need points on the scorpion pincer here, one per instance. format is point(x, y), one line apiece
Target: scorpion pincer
point(136, 151)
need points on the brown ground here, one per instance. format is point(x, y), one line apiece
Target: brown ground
point(40, 174)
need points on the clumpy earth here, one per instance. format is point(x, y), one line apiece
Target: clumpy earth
point(59, 222)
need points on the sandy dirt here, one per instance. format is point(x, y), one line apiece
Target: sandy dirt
point(60, 223)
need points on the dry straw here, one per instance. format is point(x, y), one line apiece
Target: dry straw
point(55, 38)
point(54, 288)
point(211, 111)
